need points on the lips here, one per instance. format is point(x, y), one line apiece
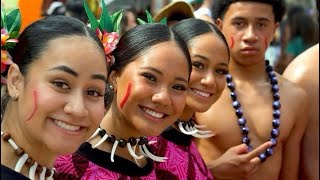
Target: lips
point(249, 50)
point(153, 113)
point(66, 126)
point(201, 93)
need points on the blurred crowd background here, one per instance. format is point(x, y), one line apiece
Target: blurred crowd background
point(298, 30)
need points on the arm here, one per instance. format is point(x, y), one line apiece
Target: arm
point(291, 148)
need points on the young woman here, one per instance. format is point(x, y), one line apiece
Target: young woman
point(53, 100)
point(210, 56)
point(150, 80)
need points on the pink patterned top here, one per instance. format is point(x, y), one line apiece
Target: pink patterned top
point(94, 164)
point(184, 160)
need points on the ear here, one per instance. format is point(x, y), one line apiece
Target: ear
point(219, 23)
point(113, 80)
point(276, 25)
point(274, 35)
point(15, 81)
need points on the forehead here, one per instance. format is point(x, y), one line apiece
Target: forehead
point(79, 50)
point(249, 10)
point(209, 45)
point(164, 55)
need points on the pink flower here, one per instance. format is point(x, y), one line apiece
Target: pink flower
point(109, 41)
point(5, 38)
point(6, 59)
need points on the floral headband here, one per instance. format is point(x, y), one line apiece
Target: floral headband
point(107, 29)
point(150, 19)
point(10, 27)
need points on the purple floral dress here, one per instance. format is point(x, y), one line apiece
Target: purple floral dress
point(94, 164)
point(184, 160)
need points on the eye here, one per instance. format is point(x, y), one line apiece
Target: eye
point(261, 25)
point(94, 93)
point(150, 77)
point(61, 84)
point(198, 65)
point(222, 71)
point(238, 23)
point(180, 87)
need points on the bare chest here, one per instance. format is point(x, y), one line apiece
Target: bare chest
point(258, 113)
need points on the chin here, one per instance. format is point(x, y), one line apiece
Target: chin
point(66, 148)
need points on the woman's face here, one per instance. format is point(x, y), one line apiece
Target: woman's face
point(209, 57)
point(60, 101)
point(151, 91)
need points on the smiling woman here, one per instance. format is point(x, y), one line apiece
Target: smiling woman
point(53, 100)
point(149, 80)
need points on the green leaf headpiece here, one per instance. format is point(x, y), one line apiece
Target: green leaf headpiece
point(150, 19)
point(10, 27)
point(107, 29)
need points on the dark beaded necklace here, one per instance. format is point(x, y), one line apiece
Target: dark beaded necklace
point(276, 112)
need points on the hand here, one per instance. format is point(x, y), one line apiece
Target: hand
point(237, 163)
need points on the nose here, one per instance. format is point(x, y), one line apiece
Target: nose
point(208, 80)
point(250, 34)
point(76, 106)
point(162, 96)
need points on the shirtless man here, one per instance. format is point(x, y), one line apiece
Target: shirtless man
point(304, 71)
point(249, 27)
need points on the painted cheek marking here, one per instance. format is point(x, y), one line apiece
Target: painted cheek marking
point(266, 42)
point(232, 42)
point(124, 100)
point(35, 105)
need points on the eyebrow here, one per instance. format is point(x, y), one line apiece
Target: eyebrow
point(75, 74)
point(201, 57)
point(99, 76)
point(243, 18)
point(161, 73)
point(65, 69)
point(206, 59)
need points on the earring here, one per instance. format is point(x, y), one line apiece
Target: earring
point(110, 87)
point(15, 97)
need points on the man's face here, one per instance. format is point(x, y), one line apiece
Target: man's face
point(249, 28)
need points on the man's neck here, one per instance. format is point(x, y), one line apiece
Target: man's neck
point(248, 72)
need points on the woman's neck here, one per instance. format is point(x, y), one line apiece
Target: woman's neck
point(187, 114)
point(35, 149)
point(115, 125)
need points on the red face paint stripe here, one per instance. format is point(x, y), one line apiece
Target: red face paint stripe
point(126, 96)
point(35, 105)
point(232, 42)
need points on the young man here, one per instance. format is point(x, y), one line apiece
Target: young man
point(304, 71)
point(255, 100)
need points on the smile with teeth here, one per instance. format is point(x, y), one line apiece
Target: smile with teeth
point(153, 113)
point(201, 93)
point(66, 126)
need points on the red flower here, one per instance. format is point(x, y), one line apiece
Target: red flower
point(109, 41)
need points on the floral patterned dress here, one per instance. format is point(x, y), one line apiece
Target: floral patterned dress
point(94, 164)
point(184, 160)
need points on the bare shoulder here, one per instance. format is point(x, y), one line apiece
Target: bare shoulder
point(303, 66)
point(293, 95)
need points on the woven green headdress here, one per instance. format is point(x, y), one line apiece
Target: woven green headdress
point(10, 27)
point(150, 19)
point(107, 28)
